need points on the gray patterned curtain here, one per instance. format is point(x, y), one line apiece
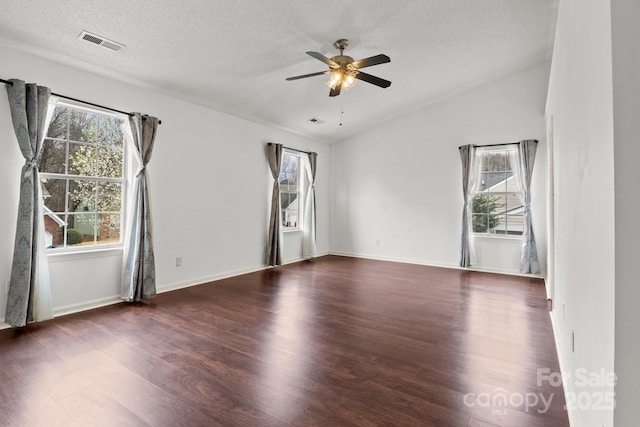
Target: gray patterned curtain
point(29, 296)
point(469, 185)
point(526, 156)
point(138, 266)
point(309, 249)
point(274, 239)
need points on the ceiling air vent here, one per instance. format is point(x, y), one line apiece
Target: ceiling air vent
point(100, 41)
point(316, 120)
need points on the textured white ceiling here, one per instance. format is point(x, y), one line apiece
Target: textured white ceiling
point(234, 56)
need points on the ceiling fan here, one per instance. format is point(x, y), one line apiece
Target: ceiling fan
point(344, 70)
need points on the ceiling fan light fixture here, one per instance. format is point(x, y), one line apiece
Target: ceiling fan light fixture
point(349, 80)
point(341, 77)
point(335, 78)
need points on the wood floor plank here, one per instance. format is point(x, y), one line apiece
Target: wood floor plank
point(332, 341)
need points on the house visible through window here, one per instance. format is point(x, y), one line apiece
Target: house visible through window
point(82, 175)
point(290, 191)
point(498, 208)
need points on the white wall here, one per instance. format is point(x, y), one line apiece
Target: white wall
point(397, 188)
point(626, 119)
point(210, 188)
point(580, 102)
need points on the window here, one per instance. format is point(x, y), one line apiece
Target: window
point(498, 208)
point(290, 191)
point(82, 175)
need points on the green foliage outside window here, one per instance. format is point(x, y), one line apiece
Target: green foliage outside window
point(74, 236)
point(483, 219)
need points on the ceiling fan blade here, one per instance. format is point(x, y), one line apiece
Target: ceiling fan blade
point(304, 76)
point(372, 79)
point(336, 91)
point(321, 57)
point(368, 62)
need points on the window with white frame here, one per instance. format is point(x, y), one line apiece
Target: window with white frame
point(83, 178)
point(498, 208)
point(290, 191)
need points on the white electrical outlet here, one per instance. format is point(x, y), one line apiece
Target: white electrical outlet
point(179, 261)
point(573, 342)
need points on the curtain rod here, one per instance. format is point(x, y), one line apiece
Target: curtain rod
point(495, 145)
point(292, 149)
point(7, 82)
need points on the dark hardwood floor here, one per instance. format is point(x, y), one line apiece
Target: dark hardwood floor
point(335, 341)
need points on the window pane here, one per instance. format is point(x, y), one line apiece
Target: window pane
point(513, 201)
point(54, 192)
point(54, 226)
point(485, 203)
point(109, 162)
point(53, 156)
point(110, 132)
point(494, 161)
point(109, 196)
point(286, 200)
point(498, 203)
point(515, 223)
point(289, 173)
point(486, 209)
point(289, 205)
point(82, 159)
point(109, 231)
point(480, 223)
point(59, 122)
point(81, 228)
point(82, 196)
point(91, 128)
point(79, 124)
point(496, 181)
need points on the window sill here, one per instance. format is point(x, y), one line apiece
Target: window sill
point(498, 237)
point(54, 255)
point(291, 230)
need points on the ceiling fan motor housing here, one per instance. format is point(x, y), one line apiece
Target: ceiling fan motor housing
point(342, 60)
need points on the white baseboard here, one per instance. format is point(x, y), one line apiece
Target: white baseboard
point(115, 299)
point(206, 279)
point(434, 264)
point(76, 308)
point(574, 421)
point(86, 305)
point(213, 278)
